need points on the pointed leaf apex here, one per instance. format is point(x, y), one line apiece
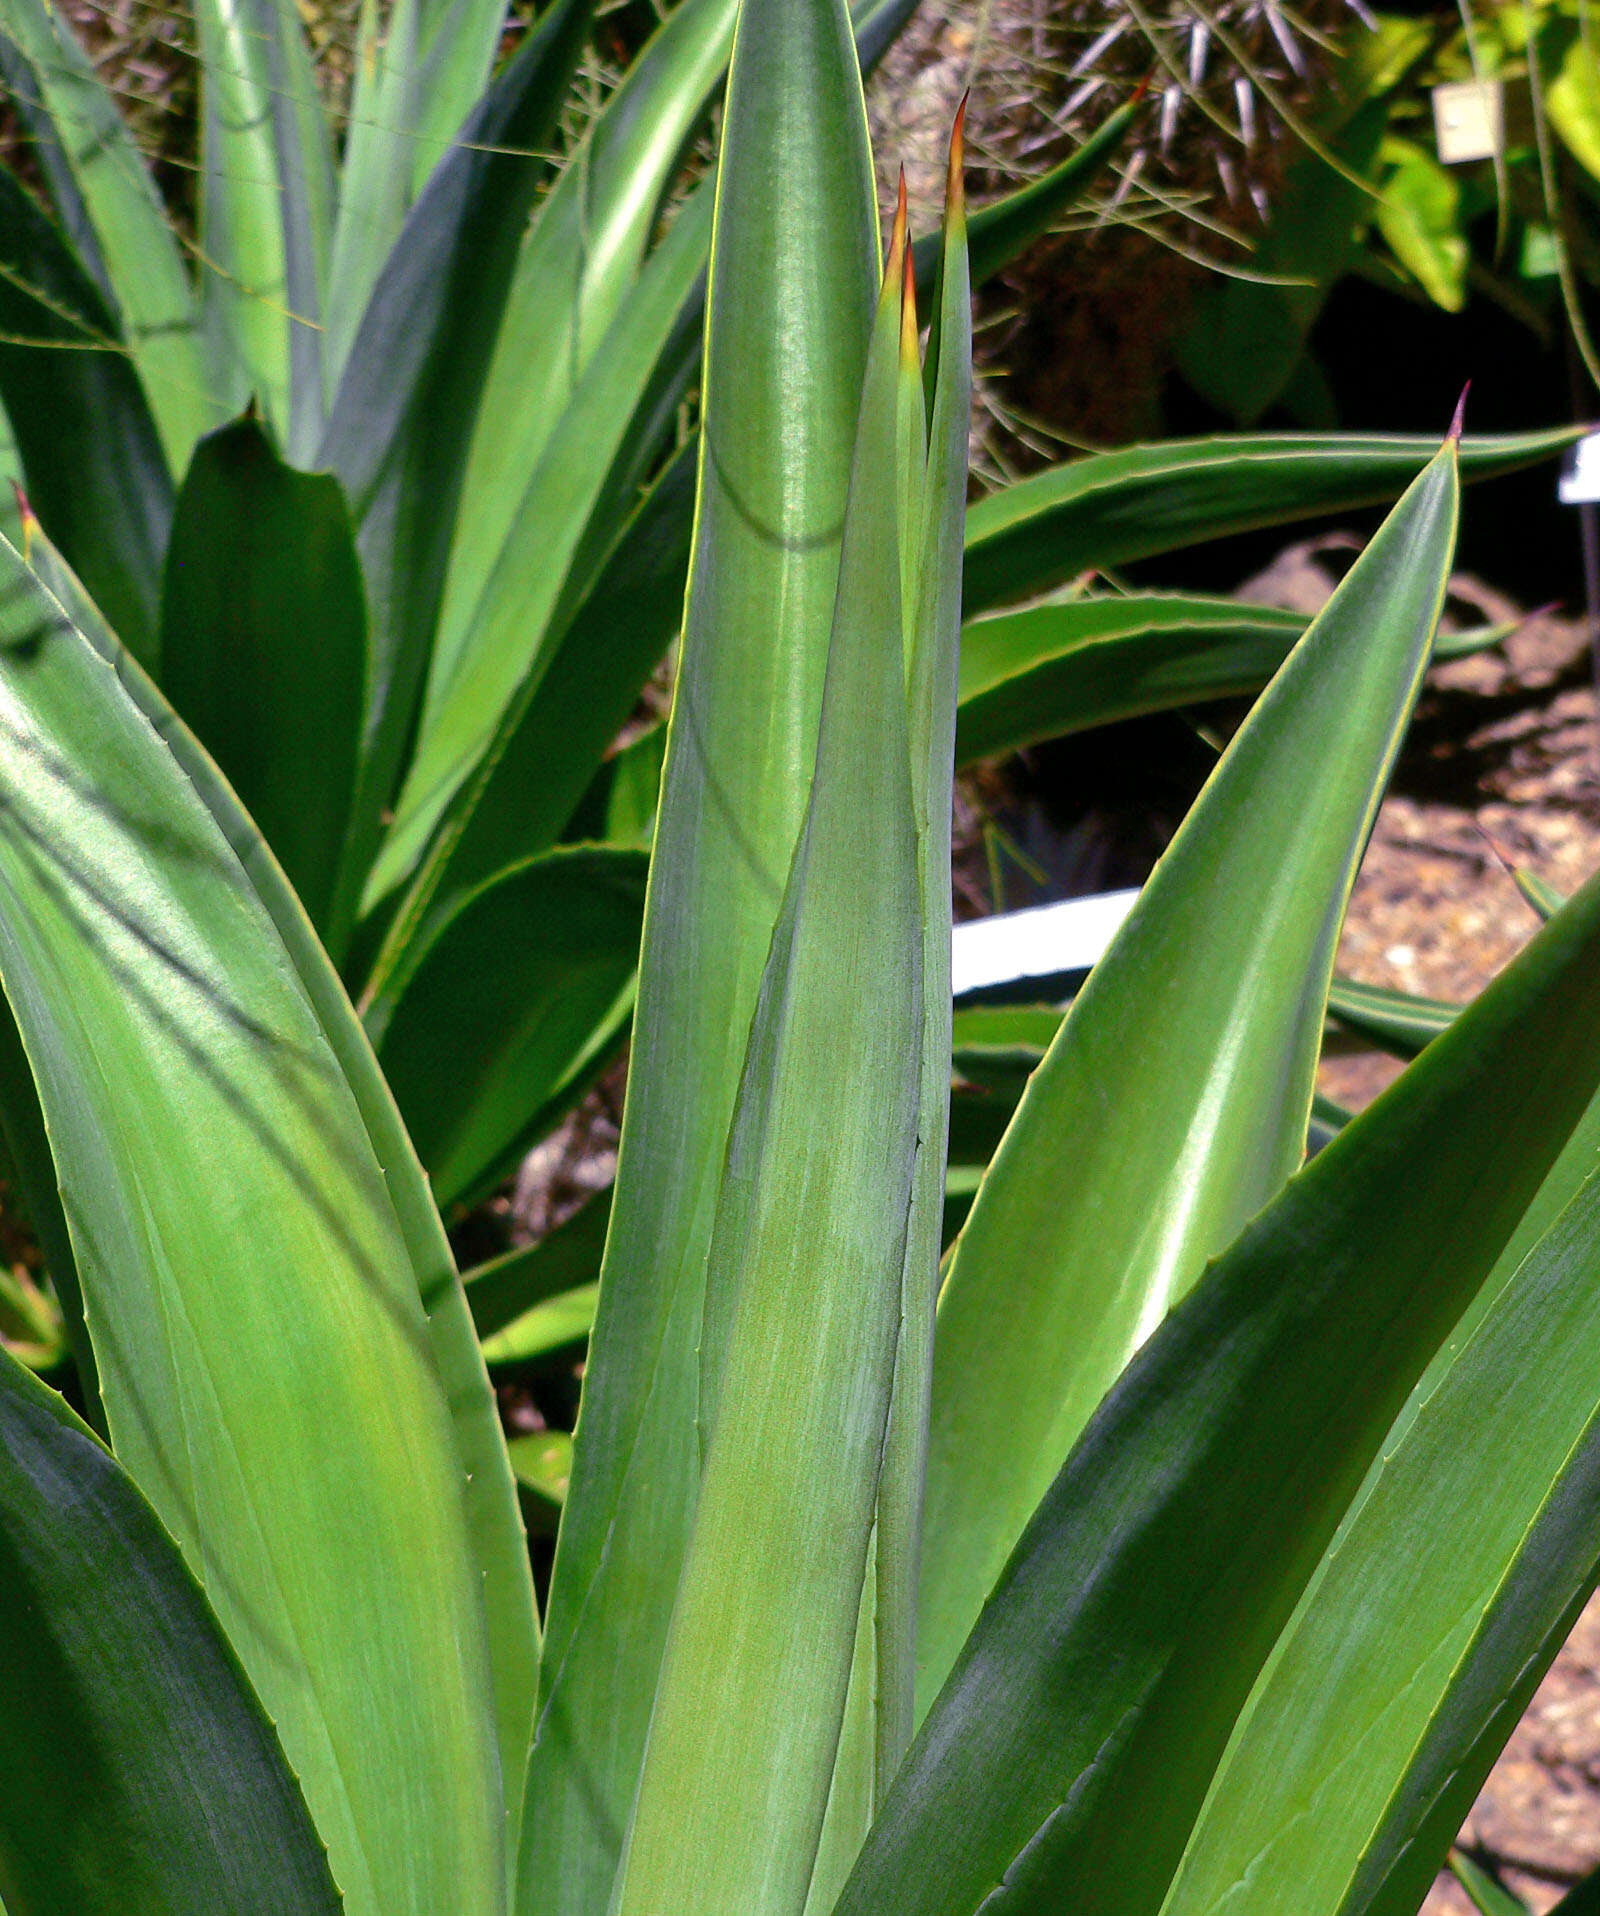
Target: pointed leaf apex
point(897, 239)
point(1453, 436)
point(30, 523)
point(955, 188)
point(1142, 88)
point(909, 329)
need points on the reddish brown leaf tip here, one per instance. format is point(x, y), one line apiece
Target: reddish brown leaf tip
point(908, 311)
point(1453, 436)
point(1142, 88)
point(897, 239)
point(955, 185)
point(23, 507)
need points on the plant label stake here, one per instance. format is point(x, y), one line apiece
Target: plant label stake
point(1469, 121)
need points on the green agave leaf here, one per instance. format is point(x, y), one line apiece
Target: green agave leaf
point(139, 1775)
point(511, 628)
point(1052, 669)
point(401, 419)
point(933, 474)
point(500, 1291)
point(1397, 1020)
point(566, 1318)
point(1488, 1896)
point(88, 445)
point(578, 266)
point(1543, 897)
point(1328, 1119)
point(266, 211)
point(1115, 507)
point(578, 269)
point(145, 279)
point(1068, 1756)
point(1174, 1102)
point(1012, 1037)
point(54, 164)
point(1063, 666)
point(730, 1809)
point(182, 949)
point(633, 788)
point(1470, 1758)
point(979, 1028)
point(794, 268)
point(515, 1004)
point(931, 487)
point(554, 733)
point(990, 1082)
point(264, 644)
point(495, 711)
point(32, 1179)
point(1479, 1536)
point(543, 1463)
point(420, 79)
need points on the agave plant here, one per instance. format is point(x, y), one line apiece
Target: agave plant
point(385, 476)
point(1200, 1549)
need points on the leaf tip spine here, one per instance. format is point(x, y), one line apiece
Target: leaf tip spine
point(30, 521)
point(955, 189)
point(1453, 436)
point(893, 271)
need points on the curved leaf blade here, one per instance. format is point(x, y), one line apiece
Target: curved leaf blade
point(264, 644)
point(401, 419)
point(1069, 1754)
point(505, 646)
point(554, 734)
point(267, 199)
point(139, 1775)
point(214, 1165)
point(1432, 1620)
point(89, 447)
point(730, 1807)
point(793, 277)
point(568, 1259)
point(566, 1318)
point(1115, 507)
point(1173, 1103)
point(1397, 1020)
point(1049, 670)
point(516, 1002)
point(579, 263)
point(145, 274)
point(489, 1496)
point(419, 79)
